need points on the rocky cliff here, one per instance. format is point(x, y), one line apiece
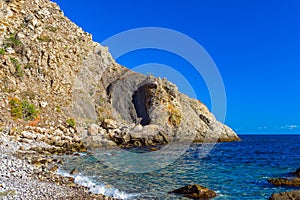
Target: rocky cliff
point(52, 75)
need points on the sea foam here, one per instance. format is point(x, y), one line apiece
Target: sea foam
point(96, 188)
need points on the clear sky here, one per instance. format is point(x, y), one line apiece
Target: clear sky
point(254, 43)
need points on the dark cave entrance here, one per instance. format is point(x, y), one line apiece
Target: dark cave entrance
point(140, 106)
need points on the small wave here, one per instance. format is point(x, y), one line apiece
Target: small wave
point(95, 188)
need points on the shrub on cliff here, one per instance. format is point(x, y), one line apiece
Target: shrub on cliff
point(22, 109)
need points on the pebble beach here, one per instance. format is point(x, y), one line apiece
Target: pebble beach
point(21, 180)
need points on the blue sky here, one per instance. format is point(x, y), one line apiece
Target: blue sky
point(255, 45)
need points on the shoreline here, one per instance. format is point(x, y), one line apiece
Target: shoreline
point(29, 164)
point(27, 174)
point(30, 174)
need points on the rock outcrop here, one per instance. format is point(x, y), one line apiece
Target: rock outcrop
point(291, 182)
point(295, 182)
point(292, 195)
point(195, 192)
point(297, 172)
point(52, 74)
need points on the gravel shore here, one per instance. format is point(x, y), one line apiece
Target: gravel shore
point(21, 180)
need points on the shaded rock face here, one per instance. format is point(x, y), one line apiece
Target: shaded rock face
point(195, 192)
point(153, 101)
point(292, 195)
point(50, 62)
point(140, 102)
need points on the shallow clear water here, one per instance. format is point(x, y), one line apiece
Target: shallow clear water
point(236, 170)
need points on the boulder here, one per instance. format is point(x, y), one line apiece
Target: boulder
point(108, 143)
point(109, 124)
point(74, 172)
point(97, 141)
point(295, 194)
point(43, 104)
point(295, 182)
point(93, 129)
point(195, 192)
point(297, 172)
point(54, 169)
point(28, 135)
point(58, 132)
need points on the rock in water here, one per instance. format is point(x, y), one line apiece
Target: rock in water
point(195, 192)
point(297, 172)
point(74, 172)
point(285, 182)
point(293, 195)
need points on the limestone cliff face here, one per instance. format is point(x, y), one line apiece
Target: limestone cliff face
point(156, 103)
point(49, 62)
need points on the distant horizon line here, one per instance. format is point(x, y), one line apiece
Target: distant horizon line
point(268, 133)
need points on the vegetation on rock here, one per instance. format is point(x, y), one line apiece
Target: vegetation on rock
point(174, 116)
point(22, 109)
point(18, 67)
point(49, 61)
point(12, 42)
point(71, 122)
point(2, 51)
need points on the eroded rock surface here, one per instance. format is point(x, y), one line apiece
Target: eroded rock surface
point(53, 66)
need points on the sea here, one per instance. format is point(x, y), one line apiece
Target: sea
point(234, 170)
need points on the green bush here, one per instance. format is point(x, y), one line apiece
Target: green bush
point(29, 66)
point(22, 109)
point(14, 60)
point(44, 38)
point(29, 111)
point(16, 107)
point(71, 122)
point(2, 51)
point(52, 28)
point(12, 41)
point(58, 109)
point(19, 71)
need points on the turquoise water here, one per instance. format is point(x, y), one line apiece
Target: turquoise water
point(236, 170)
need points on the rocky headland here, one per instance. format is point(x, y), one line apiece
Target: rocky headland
point(53, 75)
point(62, 93)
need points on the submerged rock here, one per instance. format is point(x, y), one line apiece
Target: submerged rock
point(195, 192)
point(293, 195)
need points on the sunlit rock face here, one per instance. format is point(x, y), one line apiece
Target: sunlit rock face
point(53, 64)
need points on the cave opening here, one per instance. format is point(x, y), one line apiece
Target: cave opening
point(140, 106)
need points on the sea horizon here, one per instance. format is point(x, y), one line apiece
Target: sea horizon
point(283, 134)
